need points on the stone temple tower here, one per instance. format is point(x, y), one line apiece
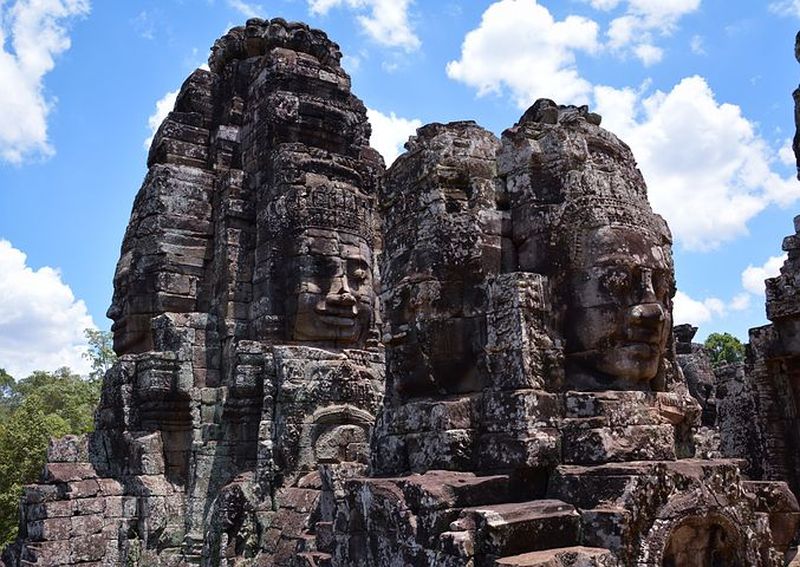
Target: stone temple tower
point(464, 361)
point(245, 320)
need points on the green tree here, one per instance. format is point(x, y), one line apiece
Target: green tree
point(101, 352)
point(724, 349)
point(23, 447)
point(33, 410)
point(7, 395)
point(64, 394)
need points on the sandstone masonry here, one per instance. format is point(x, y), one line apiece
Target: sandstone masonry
point(467, 359)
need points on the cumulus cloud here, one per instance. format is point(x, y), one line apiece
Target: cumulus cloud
point(389, 133)
point(786, 8)
point(753, 276)
point(41, 322)
point(708, 171)
point(32, 34)
point(635, 31)
point(688, 310)
point(519, 46)
point(384, 21)
point(164, 106)
point(648, 54)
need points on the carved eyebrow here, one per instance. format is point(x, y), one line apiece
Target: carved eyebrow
point(358, 260)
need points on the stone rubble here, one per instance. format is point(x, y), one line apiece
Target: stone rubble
point(467, 360)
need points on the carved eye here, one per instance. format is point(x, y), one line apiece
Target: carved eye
point(617, 281)
point(662, 283)
point(325, 267)
point(359, 274)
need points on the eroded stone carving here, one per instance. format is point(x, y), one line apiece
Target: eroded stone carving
point(534, 410)
point(572, 439)
point(580, 216)
point(244, 315)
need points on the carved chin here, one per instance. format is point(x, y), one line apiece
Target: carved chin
point(312, 326)
point(637, 362)
point(324, 328)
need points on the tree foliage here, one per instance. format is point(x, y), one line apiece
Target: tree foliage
point(23, 448)
point(724, 349)
point(37, 408)
point(101, 352)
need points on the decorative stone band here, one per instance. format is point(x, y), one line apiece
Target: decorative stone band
point(593, 212)
point(323, 207)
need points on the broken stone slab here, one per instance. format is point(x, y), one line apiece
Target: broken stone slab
point(577, 556)
point(509, 529)
point(647, 511)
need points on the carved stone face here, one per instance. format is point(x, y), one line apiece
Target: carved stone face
point(619, 316)
point(331, 293)
point(131, 329)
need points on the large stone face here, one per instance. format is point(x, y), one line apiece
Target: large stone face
point(568, 441)
point(580, 216)
point(245, 316)
point(530, 408)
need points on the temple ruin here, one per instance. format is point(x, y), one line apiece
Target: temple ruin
point(466, 360)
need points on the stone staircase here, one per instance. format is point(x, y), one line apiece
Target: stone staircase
point(544, 532)
point(458, 519)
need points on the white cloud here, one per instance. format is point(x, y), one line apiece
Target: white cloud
point(707, 170)
point(688, 310)
point(786, 153)
point(247, 9)
point(32, 34)
point(662, 12)
point(622, 31)
point(390, 133)
point(519, 46)
point(635, 31)
point(351, 63)
point(41, 322)
point(753, 276)
point(740, 302)
point(604, 5)
point(163, 107)
point(786, 8)
point(648, 54)
point(144, 25)
point(696, 44)
point(387, 22)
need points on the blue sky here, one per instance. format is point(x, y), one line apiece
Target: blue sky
point(700, 89)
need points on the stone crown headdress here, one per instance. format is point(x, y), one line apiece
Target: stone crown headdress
point(323, 207)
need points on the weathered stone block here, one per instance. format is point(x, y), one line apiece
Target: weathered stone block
point(509, 529)
point(595, 445)
point(68, 449)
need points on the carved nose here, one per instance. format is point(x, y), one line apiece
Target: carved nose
point(647, 292)
point(114, 312)
point(648, 314)
point(343, 297)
